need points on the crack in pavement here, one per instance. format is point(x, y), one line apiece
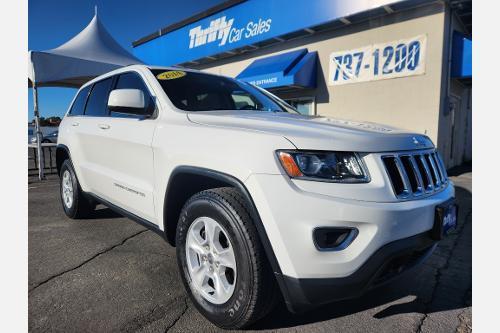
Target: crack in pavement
point(186, 307)
point(148, 321)
point(142, 321)
point(465, 323)
point(437, 276)
point(85, 261)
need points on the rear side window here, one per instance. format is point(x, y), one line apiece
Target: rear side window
point(79, 104)
point(97, 105)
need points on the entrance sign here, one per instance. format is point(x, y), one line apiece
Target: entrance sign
point(389, 60)
point(291, 69)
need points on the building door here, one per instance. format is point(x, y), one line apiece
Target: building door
point(458, 131)
point(305, 105)
point(468, 125)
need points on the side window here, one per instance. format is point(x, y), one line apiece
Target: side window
point(97, 105)
point(79, 104)
point(133, 81)
point(243, 101)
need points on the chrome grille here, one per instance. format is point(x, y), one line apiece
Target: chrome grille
point(416, 173)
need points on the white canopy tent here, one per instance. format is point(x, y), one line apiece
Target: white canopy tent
point(89, 54)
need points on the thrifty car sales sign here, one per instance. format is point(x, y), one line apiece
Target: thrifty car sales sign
point(379, 61)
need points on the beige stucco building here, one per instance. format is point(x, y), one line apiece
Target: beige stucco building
point(434, 100)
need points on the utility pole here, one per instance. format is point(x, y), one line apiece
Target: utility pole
point(38, 130)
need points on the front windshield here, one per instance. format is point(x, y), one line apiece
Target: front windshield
point(192, 91)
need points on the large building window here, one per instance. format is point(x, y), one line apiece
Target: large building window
point(305, 105)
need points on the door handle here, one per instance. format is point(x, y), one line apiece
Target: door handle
point(104, 126)
point(75, 124)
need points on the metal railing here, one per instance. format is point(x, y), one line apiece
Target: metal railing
point(49, 154)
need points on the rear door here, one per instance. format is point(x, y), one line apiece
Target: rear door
point(72, 134)
point(121, 153)
point(92, 156)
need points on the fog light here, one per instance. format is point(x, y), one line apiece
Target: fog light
point(333, 238)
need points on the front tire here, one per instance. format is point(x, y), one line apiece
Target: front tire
point(221, 259)
point(75, 204)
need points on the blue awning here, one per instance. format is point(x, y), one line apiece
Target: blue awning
point(461, 61)
point(291, 69)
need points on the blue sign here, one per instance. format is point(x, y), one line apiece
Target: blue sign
point(386, 60)
point(246, 23)
point(461, 61)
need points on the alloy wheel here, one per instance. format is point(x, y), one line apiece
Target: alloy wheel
point(67, 189)
point(211, 260)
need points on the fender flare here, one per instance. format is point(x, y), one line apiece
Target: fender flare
point(254, 214)
point(66, 149)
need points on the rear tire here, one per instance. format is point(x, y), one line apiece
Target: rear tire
point(252, 288)
point(75, 204)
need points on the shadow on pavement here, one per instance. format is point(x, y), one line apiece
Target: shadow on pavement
point(461, 169)
point(104, 213)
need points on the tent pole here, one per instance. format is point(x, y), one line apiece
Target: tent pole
point(41, 160)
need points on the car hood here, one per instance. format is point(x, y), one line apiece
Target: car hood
point(315, 132)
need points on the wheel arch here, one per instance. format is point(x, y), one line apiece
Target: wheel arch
point(191, 180)
point(184, 182)
point(62, 154)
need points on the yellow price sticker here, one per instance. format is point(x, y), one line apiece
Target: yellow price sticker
point(170, 75)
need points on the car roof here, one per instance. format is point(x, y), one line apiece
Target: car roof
point(138, 67)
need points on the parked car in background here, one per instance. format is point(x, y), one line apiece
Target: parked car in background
point(31, 133)
point(257, 198)
point(49, 138)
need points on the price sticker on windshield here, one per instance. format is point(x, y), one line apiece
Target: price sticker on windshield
point(170, 75)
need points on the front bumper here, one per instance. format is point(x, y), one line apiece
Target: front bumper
point(387, 263)
point(289, 215)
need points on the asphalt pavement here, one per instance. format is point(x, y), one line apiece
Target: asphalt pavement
point(109, 274)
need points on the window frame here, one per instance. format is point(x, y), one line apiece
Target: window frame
point(113, 79)
point(84, 103)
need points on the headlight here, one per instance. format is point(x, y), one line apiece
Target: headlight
point(340, 167)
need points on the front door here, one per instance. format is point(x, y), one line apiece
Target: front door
point(119, 152)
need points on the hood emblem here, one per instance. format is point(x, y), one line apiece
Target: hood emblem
point(417, 142)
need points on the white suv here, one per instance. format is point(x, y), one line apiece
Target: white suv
point(261, 202)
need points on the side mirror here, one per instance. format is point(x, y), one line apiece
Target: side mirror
point(129, 101)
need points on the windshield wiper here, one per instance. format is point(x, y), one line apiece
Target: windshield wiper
point(269, 110)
